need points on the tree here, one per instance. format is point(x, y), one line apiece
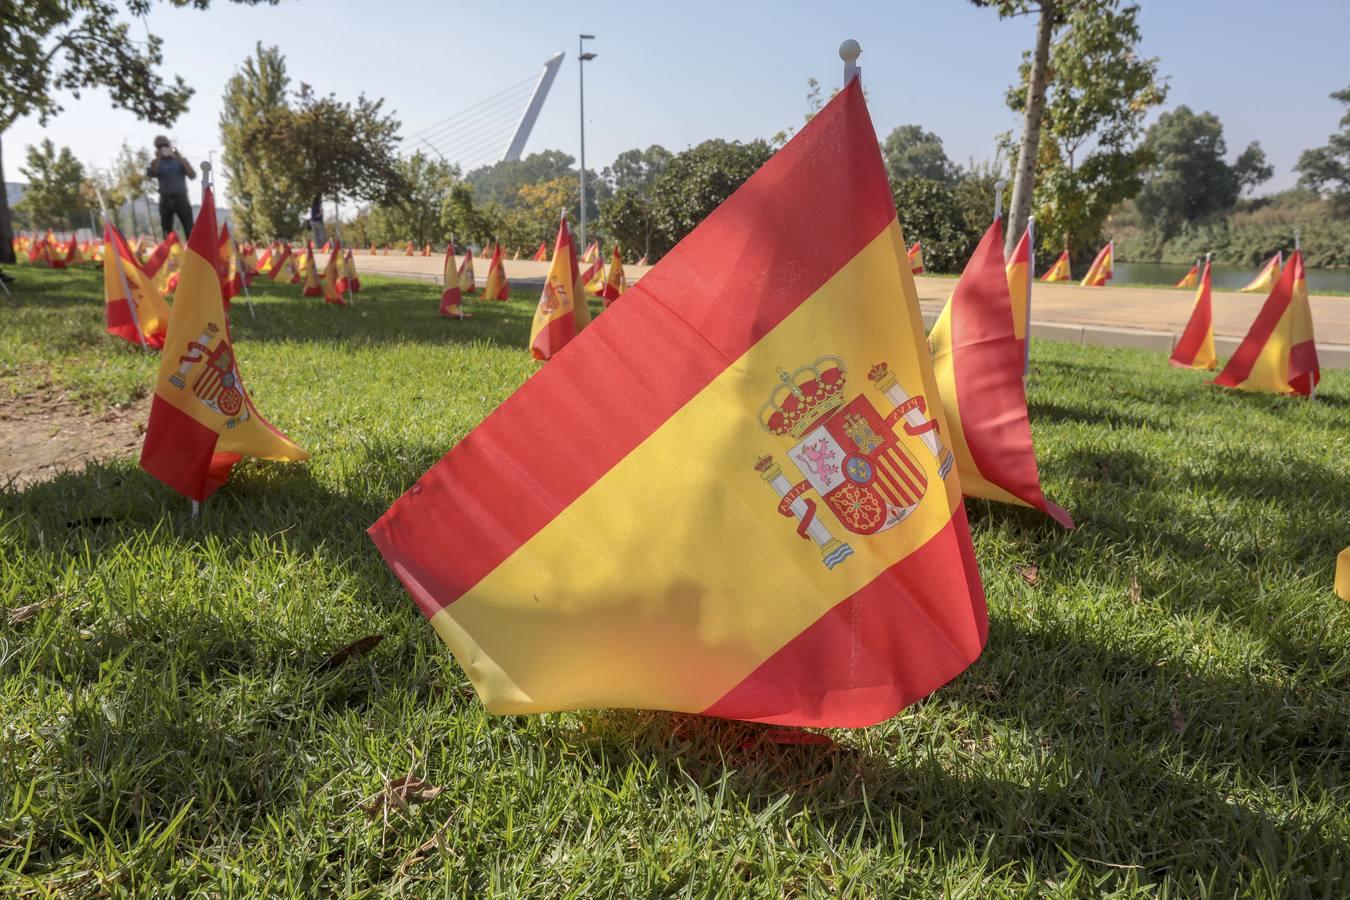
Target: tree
point(75, 45)
point(434, 206)
point(1251, 167)
point(930, 212)
point(696, 182)
point(911, 152)
point(1327, 169)
point(1188, 178)
point(1035, 75)
point(500, 183)
point(262, 202)
point(53, 198)
point(1097, 90)
point(626, 216)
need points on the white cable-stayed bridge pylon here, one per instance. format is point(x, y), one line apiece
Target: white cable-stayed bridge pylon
point(492, 129)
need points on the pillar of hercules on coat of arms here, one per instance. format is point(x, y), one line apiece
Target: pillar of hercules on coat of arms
point(867, 466)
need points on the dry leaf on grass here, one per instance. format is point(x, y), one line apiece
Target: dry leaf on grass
point(354, 650)
point(1030, 573)
point(1135, 592)
point(1178, 720)
point(20, 614)
point(397, 794)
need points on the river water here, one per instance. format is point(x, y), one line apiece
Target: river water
point(1226, 278)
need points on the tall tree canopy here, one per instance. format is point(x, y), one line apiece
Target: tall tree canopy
point(55, 178)
point(75, 45)
point(1187, 178)
point(1097, 91)
point(286, 149)
point(1327, 169)
point(911, 152)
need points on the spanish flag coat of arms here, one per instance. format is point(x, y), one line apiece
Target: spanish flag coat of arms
point(202, 421)
point(732, 495)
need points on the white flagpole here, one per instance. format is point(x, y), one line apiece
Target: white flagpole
point(243, 276)
point(1031, 279)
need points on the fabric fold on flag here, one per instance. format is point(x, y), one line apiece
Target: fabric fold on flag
point(1195, 347)
point(1021, 275)
point(202, 421)
point(978, 364)
point(726, 497)
point(1279, 353)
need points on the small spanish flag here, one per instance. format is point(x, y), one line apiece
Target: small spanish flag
point(349, 282)
point(283, 267)
point(132, 306)
point(541, 255)
point(1101, 270)
point(1266, 278)
point(1279, 352)
point(451, 295)
point(313, 286)
point(331, 292)
point(467, 284)
point(1060, 270)
point(725, 496)
point(562, 312)
point(916, 258)
point(201, 419)
point(615, 281)
point(1191, 278)
point(496, 287)
point(409, 251)
point(1343, 574)
point(979, 365)
point(1195, 347)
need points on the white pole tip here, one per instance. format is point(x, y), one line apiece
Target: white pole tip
point(850, 50)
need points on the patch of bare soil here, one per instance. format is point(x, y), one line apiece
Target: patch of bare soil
point(43, 433)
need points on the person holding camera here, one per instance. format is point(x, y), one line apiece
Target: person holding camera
point(172, 171)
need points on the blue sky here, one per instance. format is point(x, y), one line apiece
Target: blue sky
point(677, 75)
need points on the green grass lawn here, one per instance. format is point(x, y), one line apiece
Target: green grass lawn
point(1163, 708)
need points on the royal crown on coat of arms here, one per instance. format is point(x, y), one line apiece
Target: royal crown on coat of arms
point(804, 397)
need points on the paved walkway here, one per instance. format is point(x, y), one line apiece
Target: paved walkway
point(1149, 318)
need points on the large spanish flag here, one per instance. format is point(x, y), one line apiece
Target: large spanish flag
point(1195, 347)
point(451, 295)
point(133, 308)
point(1021, 272)
point(496, 287)
point(616, 283)
point(725, 496)
point(562, 311)
point(1102, 268)
point(1279, 353)
point(1060, 270)
point(1266, 278)
point(201, 420)
point(979, 364)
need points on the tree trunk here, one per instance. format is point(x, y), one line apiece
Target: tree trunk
point(1024, 182)
point(6, 227)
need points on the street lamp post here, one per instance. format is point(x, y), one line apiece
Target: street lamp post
point(582, 57)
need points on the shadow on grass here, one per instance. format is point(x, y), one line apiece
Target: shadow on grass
point(1104, 776)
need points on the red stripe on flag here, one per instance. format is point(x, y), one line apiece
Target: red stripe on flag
point(1197, 328)
point(878, 651)
point(643, 360)
point(180, 451)
point(557, 334)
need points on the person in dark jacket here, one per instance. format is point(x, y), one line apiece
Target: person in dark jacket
point(173, 172)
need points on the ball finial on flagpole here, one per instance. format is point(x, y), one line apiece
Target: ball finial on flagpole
point(206, 174)
point(849, 51)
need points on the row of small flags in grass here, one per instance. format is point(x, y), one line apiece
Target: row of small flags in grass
point(738, 491)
